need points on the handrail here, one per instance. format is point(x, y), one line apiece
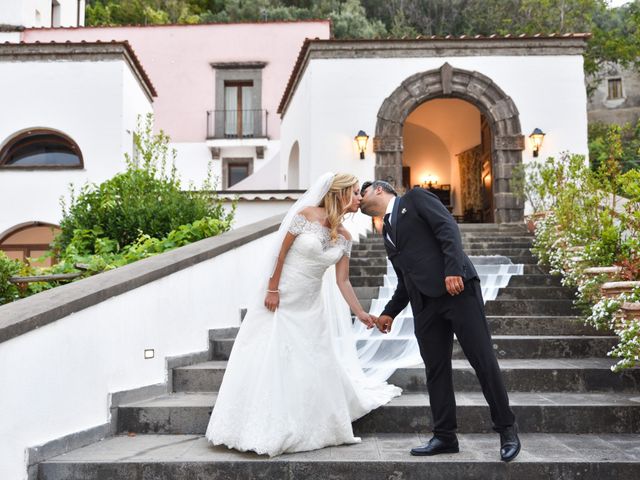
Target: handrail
point(29, 313)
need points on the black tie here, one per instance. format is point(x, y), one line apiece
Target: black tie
point(387, 224)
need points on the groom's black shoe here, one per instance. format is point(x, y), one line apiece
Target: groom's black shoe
point(436, 446)
point(509, 444)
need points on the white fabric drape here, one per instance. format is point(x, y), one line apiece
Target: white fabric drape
point(381, 354)
point(231, 111)
point(247, 111)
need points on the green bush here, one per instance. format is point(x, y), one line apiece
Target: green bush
point(8, 268)
point(134, 215)
point(620, 142)
point(146, 199)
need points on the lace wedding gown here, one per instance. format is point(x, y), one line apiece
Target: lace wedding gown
point(286, 387)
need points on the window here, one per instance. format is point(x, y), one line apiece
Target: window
point(41, 149)
point(29, 240)
point(235, 170)
point(615, 88)
point(55, 13)
point(238, 109)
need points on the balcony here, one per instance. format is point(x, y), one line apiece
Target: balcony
point(237, 124)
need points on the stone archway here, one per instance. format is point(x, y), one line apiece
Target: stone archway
point(479, 90)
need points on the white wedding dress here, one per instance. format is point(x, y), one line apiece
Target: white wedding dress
point(288, 386)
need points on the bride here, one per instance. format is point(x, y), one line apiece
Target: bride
point(293, 382)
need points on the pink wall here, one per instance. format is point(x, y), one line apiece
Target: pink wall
point(177, 59)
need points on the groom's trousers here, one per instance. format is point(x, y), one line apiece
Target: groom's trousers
point(435, 324)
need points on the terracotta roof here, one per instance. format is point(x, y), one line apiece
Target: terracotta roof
point(10, 28)
point(90, 47)
point(155, 25)
point(432, 40)
point(260, 195)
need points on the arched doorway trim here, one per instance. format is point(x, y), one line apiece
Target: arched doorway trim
point(293, 167)
point(477, 89)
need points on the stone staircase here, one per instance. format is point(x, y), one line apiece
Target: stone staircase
point(578, 420)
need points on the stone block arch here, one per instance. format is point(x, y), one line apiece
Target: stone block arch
point(477, 89)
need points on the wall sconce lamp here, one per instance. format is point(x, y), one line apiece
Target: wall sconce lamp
point(362, 139)
point(429, 181)
point(536, 137)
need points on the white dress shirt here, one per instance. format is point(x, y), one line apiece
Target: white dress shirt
point(390, 212)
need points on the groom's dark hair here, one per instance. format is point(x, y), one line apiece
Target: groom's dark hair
point(386, 186)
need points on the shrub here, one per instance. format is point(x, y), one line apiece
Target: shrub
point(146, 199)
point(8, 268)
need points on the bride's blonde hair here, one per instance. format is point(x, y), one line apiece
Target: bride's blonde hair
point(338, 199)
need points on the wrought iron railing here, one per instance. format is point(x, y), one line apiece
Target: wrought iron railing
point(237, 123)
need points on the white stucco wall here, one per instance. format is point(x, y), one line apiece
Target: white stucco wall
point(63, 96)
point(66, 370)
point(37, 13)
point(338, 97)
point(194, 158)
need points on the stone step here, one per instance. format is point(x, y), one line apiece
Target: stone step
point(364, 293)
point(530, 307)
point(379, 456)
point(475, 248)
point(541, 325)
point(511, 253)
point(543, 346)
point(535, 280)
point(550, 327)
point(367, 277)
point(529, 266)
point(498, 307)
point(495, 245)
point(547, 412)
point(535, 293)
point(501, 227)
point(509, 346)
point(377, 271)
point(498, 325)
point(466, 245)
point(534, 375)
point(366, 281)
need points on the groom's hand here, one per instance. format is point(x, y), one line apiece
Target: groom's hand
point(384, 323)
point(454, 285)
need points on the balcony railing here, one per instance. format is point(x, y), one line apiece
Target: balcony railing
point(237, 123)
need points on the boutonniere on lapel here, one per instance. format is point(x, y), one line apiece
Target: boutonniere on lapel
point(404, 210)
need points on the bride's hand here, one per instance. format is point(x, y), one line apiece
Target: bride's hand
point(367, 319)
point(272, 300)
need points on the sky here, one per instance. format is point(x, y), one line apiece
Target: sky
point(617, 3)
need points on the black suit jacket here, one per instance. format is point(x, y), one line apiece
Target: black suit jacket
point(427, 249)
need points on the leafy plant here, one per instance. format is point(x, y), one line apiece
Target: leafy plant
point(134, 215)
point(8, 269)
point(628, 331)
point(145, 199)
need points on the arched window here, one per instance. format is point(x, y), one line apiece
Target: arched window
point(41, 149)
point(30, 239)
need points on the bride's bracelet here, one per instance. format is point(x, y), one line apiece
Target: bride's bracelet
point(273, 291)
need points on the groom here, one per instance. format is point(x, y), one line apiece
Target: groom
point(423, 243)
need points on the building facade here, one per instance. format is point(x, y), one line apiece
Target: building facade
point(616, 97)
point(453, 114)
point(70, 113)
point(218, 88)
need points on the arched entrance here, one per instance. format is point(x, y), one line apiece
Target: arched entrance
point(293, 170)
point(499, 113)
